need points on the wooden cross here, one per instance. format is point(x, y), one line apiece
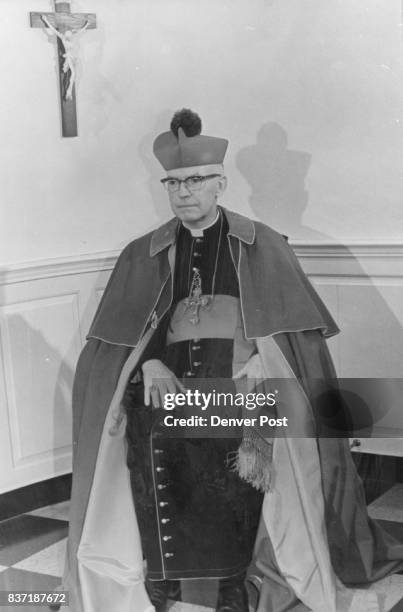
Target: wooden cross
point(65, 25)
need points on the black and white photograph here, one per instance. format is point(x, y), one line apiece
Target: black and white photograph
point(201, 305)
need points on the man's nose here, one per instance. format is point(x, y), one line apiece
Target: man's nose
point(184, 191)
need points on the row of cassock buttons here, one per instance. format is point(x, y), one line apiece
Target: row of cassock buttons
point(195, 341)
point(163, 504)
point(161, 487)
point(195, 346)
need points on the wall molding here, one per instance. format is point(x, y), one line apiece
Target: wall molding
point(105, 260)
point(349, 251)
point(60, 266)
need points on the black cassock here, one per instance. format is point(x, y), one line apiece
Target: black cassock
point(196, 517)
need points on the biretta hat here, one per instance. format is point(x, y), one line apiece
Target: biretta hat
point(183, 146)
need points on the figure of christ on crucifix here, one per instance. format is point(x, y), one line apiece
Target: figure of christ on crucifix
point(66, 26)
point(69, 65)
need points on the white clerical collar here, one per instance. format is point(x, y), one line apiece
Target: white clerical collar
point(199, 231)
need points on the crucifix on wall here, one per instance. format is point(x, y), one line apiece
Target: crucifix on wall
point(66, 26)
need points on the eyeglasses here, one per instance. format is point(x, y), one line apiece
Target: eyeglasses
point(193, 183)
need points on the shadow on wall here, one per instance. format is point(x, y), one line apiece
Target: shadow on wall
point(277, 176)
point(38, 380)
point(279, 198)
point(371, 332)
point(48, 392)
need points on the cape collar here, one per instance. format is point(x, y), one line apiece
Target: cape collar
point(239, 226)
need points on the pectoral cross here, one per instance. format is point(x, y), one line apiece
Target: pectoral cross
point(65, 25)
point(194, 303)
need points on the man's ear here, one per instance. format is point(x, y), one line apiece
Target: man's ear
point(222, 185)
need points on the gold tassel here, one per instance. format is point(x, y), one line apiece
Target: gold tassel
point(253, 462)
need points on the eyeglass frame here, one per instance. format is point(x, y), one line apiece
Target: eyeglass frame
point(204, 178)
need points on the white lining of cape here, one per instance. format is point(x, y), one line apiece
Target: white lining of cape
point(109, 554)
point(110, 561)
point(293, 510)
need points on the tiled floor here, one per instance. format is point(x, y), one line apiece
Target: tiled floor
point(32, 550)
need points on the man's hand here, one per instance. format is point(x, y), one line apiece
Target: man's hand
point(158, 380)
point(252, 371)
point(253, 368)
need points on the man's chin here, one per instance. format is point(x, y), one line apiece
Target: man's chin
point(189, 213)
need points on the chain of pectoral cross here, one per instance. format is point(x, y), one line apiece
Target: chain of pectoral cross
point(196, 299)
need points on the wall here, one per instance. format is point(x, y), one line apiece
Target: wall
point(310, 96)
point(317, 84)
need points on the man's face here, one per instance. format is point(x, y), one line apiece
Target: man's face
point(197, 208)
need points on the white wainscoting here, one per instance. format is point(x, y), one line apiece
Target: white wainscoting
point(45, 311)
point(46, 308)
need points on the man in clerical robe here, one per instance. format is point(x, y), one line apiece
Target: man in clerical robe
point(211, 295)
point(197, 517)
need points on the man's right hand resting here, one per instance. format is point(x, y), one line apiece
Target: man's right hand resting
point(158, 380)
